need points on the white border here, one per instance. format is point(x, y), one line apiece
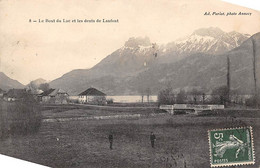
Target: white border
point(253, 4)
point(7, 161)
point(10, 162)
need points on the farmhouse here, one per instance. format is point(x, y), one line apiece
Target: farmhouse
point(54, 96)
point(92, 96)
point(15, 94)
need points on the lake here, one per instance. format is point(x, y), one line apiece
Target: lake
point(132, 98)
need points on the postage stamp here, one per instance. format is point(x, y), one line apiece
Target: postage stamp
point(230, 147)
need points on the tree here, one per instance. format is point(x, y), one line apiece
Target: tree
point(235, 97)
point(99, 100)
point(32, 86)
point(181, 97)
point(141, 92)
point(254, 71)
point(228, 77)
point(195, 95)
point(254, 100)
point(166, 96)
point(148, 93)
point(22, 116)
point(203, 97)
point(220, 95)
point(44, 87)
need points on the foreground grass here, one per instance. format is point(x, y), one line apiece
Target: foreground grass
point(181, 141)
point(72, 111)
point(21, 117)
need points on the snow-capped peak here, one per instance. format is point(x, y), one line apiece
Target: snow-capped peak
point(138, 41)
point(195, 38)
point(207, 40)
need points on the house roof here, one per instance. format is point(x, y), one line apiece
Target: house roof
point(53, 92)
point(57, 91)
point(47, 92)
point(92, 92)
point(16, 93)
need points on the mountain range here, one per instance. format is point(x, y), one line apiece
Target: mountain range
point(206, 40)
point(196, 61)
point(7, 83)
point(207, 71)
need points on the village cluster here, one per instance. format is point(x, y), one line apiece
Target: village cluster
point(55, 96)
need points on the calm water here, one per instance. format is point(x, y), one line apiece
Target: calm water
point(132, 98)
point(126, 99)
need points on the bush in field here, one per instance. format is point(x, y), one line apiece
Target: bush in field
point(99, 100)
point(19, 117)
point(110, 101)
point(220, 95)
point(44, 87)
point(181, 97)
point(196, 96)
point(166, 96)
point(252, 101)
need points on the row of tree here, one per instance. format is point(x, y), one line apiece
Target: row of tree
point(168, 96)
point(220, 95)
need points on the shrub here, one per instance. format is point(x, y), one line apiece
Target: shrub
point(220, 95)
point(110, 101)
point(98, 100)
point(181, 97)
point(166, 96)
point(19, 117)
point(252, 102)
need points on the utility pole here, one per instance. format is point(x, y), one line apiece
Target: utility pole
point(228, 78)
point(254, 71)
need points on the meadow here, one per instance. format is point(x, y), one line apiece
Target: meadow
point(182, 140)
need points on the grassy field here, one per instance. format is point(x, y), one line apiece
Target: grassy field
point(181, 141)
point(74, 110)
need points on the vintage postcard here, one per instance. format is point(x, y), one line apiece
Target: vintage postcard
point(114, 83)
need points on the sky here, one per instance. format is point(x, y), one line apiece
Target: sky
point(31, 50)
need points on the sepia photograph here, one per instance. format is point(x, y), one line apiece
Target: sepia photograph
point(129, 84)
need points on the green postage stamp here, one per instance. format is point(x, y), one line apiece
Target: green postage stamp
point(232, 146)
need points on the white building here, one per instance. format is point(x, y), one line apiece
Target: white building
point(92, 96)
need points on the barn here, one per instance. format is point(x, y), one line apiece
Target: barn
point(54, 96)
point(15, 94)
point(92, 96)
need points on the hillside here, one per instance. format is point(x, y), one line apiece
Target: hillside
point(7, 83)
point(206, 72)
point(135, 56)
point(140, 64)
